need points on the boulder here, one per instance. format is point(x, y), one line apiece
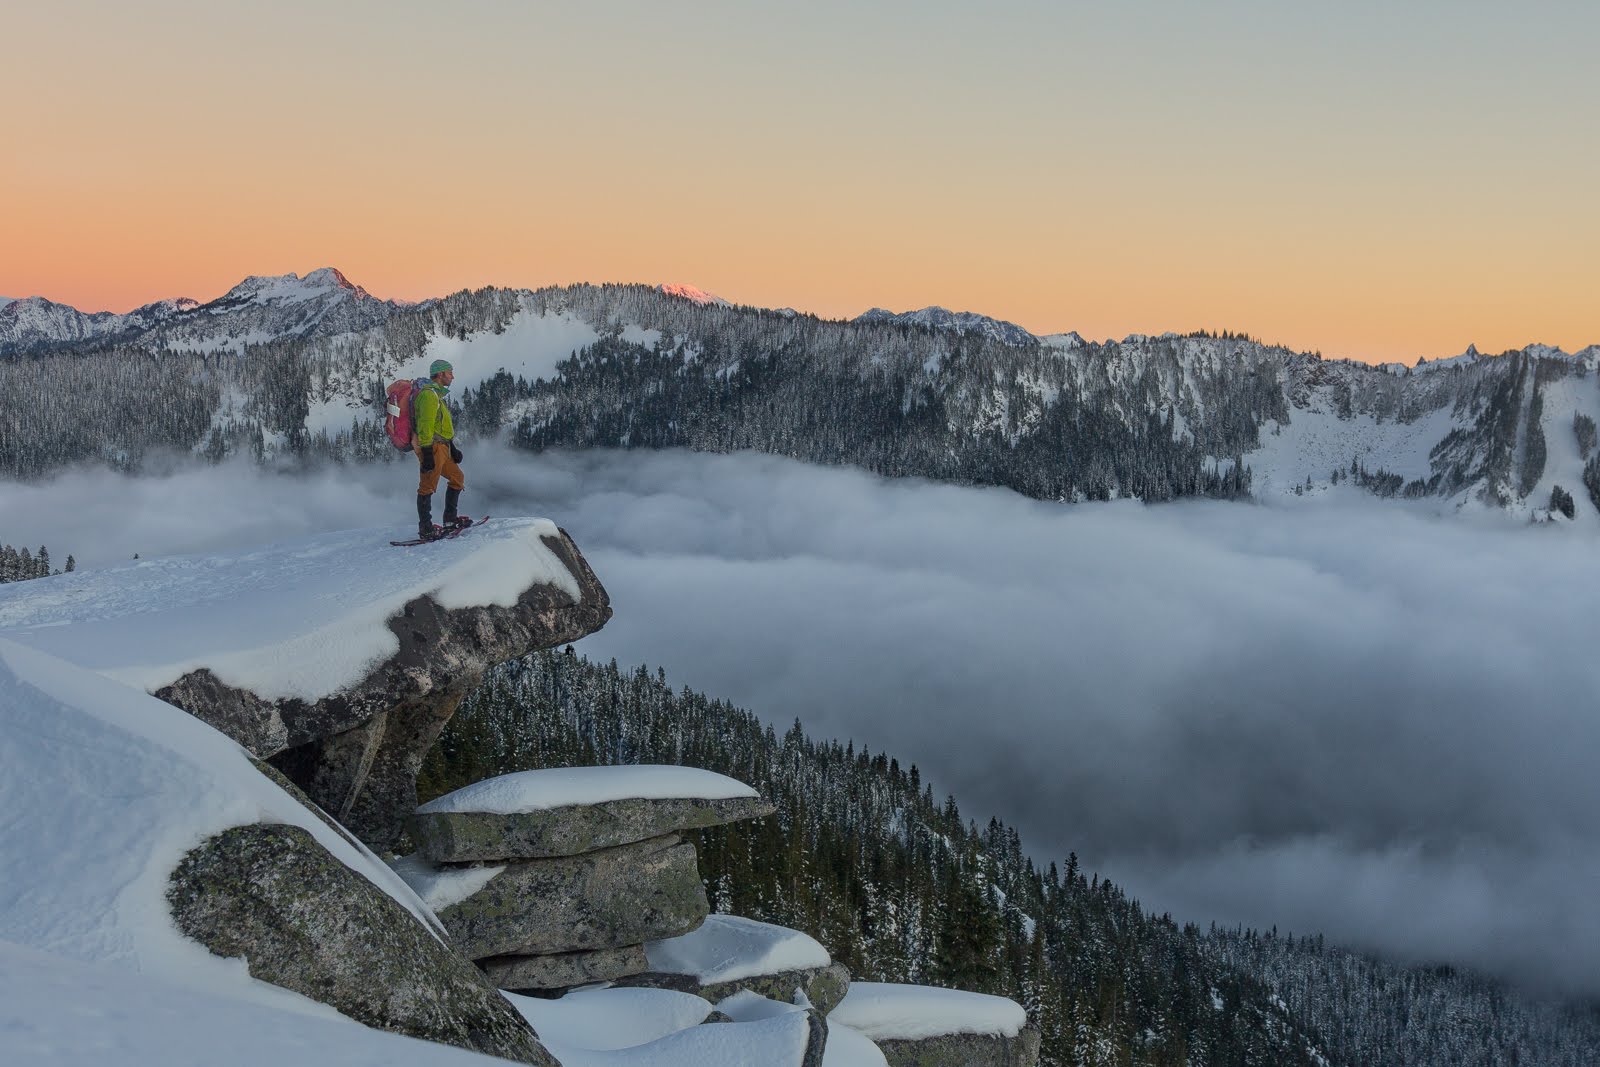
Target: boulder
point(600, 900)
point(459, 837)
point(563, 970)
point(301, 919)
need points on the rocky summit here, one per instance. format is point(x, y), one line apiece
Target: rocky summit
point(352, 657)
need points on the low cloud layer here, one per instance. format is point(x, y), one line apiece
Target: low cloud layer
point(1341, 716)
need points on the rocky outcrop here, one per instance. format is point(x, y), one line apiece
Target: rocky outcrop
point(563, 970)
point(822, 987)
point(464, 837)
point(356, 752)
point(302, 920)
point(557, 878)
point(600, 900)
point(963, 1050)
point(816, 1039)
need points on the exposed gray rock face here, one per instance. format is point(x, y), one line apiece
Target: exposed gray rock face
point(463, 837)
point(824, 987)
point(964, 1050)
point(356, 752)
point(439, 649)
point(305, 921)
point(816, 1038)
point(607, 899)
point(563, 969)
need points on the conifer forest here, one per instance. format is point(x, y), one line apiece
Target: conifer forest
point(901, 885)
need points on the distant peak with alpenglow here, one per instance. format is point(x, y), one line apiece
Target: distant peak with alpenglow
point(699, 296)
point(291, 287)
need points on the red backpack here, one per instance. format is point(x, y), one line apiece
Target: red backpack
point(399, 422)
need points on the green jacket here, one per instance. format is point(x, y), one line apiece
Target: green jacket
point(432, 417)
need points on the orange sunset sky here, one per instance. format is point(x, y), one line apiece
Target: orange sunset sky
point(1377, 181)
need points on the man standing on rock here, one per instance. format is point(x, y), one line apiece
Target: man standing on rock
point(436, 449)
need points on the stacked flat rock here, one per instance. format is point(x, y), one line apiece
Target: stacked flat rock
point(923, 1026)
point(556, 878)
point(728, 955)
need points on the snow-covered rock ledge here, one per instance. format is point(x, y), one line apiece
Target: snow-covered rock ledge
point(337, 656)
point(728, 955)
point(924, 1026)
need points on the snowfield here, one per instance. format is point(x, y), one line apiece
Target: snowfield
point(59, 1012)
point(317, 613)
point(530, 347)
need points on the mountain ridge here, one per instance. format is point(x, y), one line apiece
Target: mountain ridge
point(292, 288)
point(935, 395)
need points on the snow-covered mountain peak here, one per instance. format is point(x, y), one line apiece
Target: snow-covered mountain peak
point(698, 295)
point(159, 310)
point(1546, 351)
point(291, 289)
point(260, 309)
point(35, 322)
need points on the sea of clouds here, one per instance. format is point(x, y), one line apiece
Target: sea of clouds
point(1341, 715)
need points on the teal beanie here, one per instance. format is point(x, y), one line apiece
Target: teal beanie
point(439, 366)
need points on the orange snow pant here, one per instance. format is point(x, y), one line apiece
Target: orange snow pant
point(443, 467)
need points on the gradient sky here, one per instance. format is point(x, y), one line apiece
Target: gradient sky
point(1371, 180)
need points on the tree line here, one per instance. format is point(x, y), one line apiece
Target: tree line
point(21, 565)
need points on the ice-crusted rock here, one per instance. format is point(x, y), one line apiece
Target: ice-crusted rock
point(302, 920)
point(600, 900)
point(566, 811)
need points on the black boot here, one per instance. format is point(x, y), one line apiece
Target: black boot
point(451, 497)
point(425, 528)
